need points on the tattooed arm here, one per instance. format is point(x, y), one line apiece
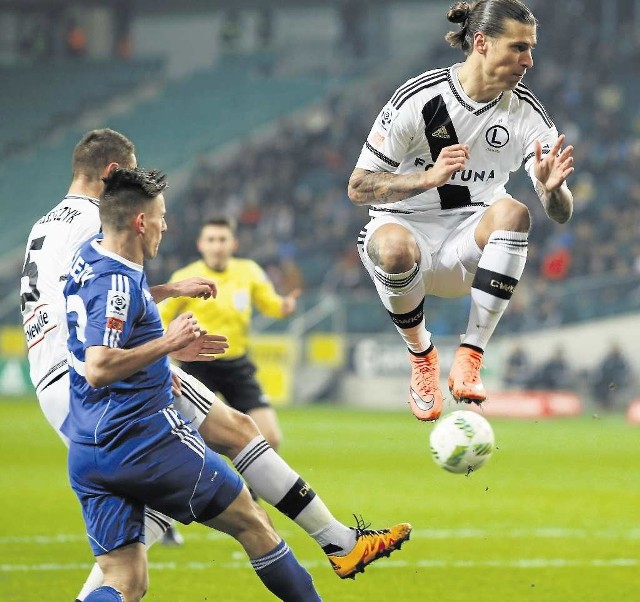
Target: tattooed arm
point(379, 188)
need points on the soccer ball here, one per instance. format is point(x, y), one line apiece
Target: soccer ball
point(462, 442)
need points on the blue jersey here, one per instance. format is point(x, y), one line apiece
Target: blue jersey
point(108, 303)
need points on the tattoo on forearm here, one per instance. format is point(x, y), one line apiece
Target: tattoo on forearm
point(380, 188)
point(558, 205)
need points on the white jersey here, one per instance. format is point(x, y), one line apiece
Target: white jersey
point(432, 111)
point(52, 243)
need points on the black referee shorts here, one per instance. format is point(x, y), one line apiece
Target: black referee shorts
point(234, 379)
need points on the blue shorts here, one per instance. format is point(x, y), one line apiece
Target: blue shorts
point(157, 461)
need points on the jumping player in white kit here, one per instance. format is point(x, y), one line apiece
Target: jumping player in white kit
point(51, 245)
point(433, 171)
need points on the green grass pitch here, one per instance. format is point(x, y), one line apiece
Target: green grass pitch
point(554, 515)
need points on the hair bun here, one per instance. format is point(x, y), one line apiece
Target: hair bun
point(459, 12)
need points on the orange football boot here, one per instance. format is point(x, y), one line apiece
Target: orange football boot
point(465, 383)
point(370, 545)
point(425, 397)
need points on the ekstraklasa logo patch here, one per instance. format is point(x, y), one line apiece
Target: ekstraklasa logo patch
point(117, 305)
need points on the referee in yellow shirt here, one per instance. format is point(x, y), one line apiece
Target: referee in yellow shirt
point(242, 285)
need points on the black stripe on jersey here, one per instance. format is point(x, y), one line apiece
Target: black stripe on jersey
point(411, 85)
point(436, 118)
point(296, 499)
point(51, 371)
point(382, 210)
point(465, 104)
point(416, 90)
point(361, 236)
point(382, 157)
point(489, 105)
point(416, 82)
point(252, 455)
point(457, 96)
point(54, 379)
point(545, 151)
point(523, 93)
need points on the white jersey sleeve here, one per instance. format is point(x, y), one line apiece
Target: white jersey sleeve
point(389, 139)
point(397, 130)
point(538, 126)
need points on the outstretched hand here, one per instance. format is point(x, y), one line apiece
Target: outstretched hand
point(554, 168)
point(203, 349)
point(195, 287)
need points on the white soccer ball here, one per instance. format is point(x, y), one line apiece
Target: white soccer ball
point(462, 442)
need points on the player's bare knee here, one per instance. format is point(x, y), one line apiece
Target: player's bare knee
point(228, 431)
point(273, 435)
point(393, 249)
point(509, 214)
point(244, 430)
point(267, 421)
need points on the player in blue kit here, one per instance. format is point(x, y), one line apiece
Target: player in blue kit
point(128, 446)
point(51, 246)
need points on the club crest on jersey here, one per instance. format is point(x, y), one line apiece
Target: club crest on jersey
point(115, 324)
point(117, 305)
point(497, 136)
point(387, 116)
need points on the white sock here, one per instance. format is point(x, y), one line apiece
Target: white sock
point(403, 296)
point(278, 484)
point(94, 580)
point(499, 271)
point(155, 524)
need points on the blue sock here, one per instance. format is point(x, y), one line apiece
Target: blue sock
point(284, 576)
point(106, 593)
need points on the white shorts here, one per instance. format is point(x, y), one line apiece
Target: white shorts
point(54, 402)
point(449, 254)
point(194, 403)
point(196, 400)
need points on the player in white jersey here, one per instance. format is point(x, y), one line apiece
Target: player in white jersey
point(433, 170)
point(50, 248)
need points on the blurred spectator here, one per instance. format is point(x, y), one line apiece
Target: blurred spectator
point(611, 377)
point(76, 40)
point(555, 374)
point(518, 369)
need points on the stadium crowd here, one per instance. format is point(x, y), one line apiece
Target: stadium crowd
point(288, 190)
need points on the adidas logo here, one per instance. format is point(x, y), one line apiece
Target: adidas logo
point(441, 132)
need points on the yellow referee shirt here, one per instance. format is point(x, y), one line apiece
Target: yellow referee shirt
point(242, 286)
